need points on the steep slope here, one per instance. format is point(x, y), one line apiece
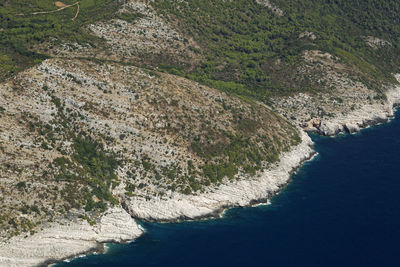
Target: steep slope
point(251, 50)
point(78, 135)
point(168, 110)
point(79, 140)
point(68, 237)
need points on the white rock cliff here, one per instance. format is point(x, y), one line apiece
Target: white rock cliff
point(68, 239)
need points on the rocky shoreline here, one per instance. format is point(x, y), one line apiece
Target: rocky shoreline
point(233, 194)
point(67, 239)
point(262, 187)
point(352, 122)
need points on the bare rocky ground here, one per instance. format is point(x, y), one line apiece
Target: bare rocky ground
point(136, 35)
point(344, 104)
point(163, 130)
point(170, 136)
point(68, 238)
point(271, 6)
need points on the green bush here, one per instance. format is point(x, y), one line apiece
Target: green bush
point(241, 41)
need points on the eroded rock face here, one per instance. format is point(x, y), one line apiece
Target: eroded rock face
point(237, 193)
point(330, 129)
point(68, 238)
point(307, 34)
point(343, 118)
point(352, 128)
point(349, 120)
point(343, 105)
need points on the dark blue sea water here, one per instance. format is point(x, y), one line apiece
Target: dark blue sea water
point(341, 209)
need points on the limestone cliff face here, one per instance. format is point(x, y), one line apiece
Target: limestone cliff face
point(367, 115)
point(343, 104)
point(68, 238)
point(78, 137)
point(152, 124)
point(243, 192)
point(96, 135)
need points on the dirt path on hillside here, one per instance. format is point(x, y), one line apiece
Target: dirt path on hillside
point(62, 7)
point(77, 12)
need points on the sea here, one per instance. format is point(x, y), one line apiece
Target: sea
point(340, 209)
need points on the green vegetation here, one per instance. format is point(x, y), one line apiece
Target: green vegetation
point(248, 149)
point(91, 173)
point(240, 151)
point(242, 41)
point(244, 49)
point(128, 17)
point(90, 221)
point(20, 30)
point(21, 185)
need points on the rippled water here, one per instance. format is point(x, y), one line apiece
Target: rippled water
point(341, 209)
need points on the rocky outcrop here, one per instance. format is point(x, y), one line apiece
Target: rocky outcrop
point(67, 239)
point(363, 117)
point(154, 123)
point(344, 103)
point(137, 34)
point(271, 6)
point(376, 43)
point(307, 34)
point(239, 193)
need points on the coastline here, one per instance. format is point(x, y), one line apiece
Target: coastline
point(368, 115)
point(259, 189)
point(66, 240)
point(239, 193)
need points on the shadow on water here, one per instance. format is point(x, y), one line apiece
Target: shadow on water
point(341, 209)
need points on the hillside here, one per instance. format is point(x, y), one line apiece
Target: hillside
point(80, 135)
point(168, 110)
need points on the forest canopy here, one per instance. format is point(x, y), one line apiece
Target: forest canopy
point(240, 40)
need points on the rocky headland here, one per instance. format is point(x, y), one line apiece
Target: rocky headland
point(69, 238)
point(115, 128)
point(117, 142)
point(344, 118)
